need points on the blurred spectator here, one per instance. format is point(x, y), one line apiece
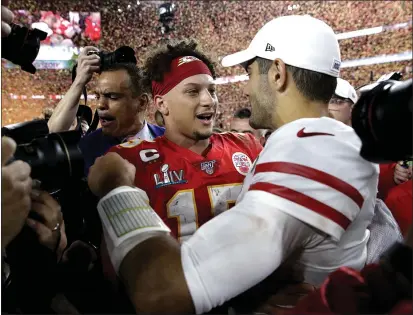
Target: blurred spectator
point(240, 122)
point(47, 113)
point(342, 102)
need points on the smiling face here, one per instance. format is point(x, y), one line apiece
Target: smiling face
point(190, 107)
point(119, 109)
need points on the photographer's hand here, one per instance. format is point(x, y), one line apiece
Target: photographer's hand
point(65, 112)
point(16, 186)
point(87, 65)
point(402, 174)
point(52, 230)
point(6, 18)
point(109, 172)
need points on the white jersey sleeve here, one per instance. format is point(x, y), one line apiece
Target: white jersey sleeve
point(239, 248)
point(313, 170)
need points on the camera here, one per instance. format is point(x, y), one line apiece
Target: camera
point(166, 15)
point(22, 46)
point(54, 158)
point(124, 54)
point(382, 118)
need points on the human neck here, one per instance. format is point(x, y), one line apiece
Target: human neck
point(298, 108)
point(197, 146)
point(138, 126)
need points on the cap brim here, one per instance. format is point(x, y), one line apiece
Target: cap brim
point(237, 58)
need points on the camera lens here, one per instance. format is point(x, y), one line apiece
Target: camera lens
point(54, 159)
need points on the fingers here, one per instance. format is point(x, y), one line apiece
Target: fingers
point(46, 199)
point(91, 59)
point(88, 49)
point(49, 212)
point(400, 180)
point(6, 18)
point(43, 232)
point(8, 147)
point(20, 170)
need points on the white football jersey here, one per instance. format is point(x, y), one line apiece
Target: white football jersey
point(314, 168)
point(308, 200)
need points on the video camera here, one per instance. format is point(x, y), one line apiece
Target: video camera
point(22, 46)
point(382, 118)
point(54, 158)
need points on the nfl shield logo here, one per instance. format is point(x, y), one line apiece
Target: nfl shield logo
point(208, 167)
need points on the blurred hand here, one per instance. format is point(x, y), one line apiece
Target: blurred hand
point(109, 172)
point(16, 186)
point(87, 65)
point(49, 210)
point(78, 253)
point(402, 174)
point(285, 299)
point(6, 18)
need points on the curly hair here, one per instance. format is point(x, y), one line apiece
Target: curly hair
point(158, 61)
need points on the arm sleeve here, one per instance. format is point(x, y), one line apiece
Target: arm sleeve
point(238, 249)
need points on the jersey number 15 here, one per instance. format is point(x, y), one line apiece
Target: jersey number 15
point(182, 206)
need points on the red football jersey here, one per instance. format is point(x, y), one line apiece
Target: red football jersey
point(187, 189)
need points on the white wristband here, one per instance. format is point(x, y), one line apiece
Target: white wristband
point(127, 220)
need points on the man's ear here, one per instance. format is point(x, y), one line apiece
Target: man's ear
point(161, 105)
point(278, 75)
point(143, 102)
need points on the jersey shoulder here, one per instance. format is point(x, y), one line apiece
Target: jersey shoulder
point(320, 146)
point(137, 151)
point(321, 137)
point(244, 142)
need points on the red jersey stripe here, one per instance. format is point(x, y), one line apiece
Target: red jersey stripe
point(315, 175)
point(305, 201)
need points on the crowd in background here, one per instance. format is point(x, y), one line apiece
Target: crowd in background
point(221, 27)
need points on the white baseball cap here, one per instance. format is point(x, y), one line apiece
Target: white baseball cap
point(345, 90)
point(299, 40)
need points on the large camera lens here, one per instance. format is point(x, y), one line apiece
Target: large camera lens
point(22, 46)
point(54, 159)
point(382, 118)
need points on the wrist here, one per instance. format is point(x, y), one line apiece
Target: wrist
point(115, 186)
point(79, 82)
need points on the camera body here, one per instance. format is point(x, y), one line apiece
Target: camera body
point(124, 54)
point(22, 46)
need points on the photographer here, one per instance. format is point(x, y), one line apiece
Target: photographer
point(122, 106)
point(41, 242)
point(65, 112)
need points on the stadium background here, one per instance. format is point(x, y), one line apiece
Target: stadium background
point(221, 27)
